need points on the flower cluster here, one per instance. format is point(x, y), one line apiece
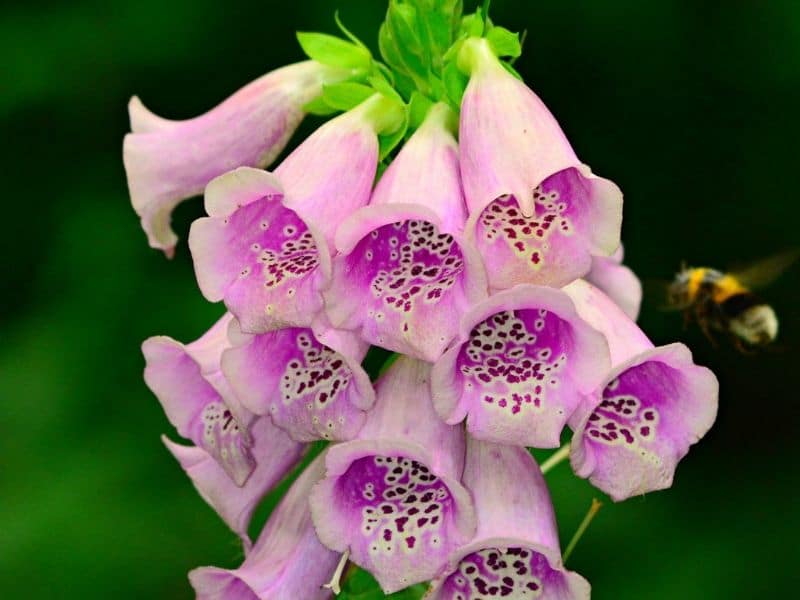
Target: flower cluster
point(445, 217)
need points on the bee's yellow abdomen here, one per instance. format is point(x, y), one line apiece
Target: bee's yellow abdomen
point(726, 287)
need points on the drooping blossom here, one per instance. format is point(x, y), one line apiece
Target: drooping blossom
point(630, 434)
point(275, 454)
point(519, 368)
point(287, 563)
point(515, 552)
point(537, 214)
point(309, 381)
point(168, 161)
point(404, 273)
point(393, 497)
point(263, 249)
point(617, 281)
point(198, 400)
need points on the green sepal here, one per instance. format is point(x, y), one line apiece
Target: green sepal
point(347, 33)
point(418, 108)
point(508, 67)
point(504, 42)
point(388, 142)
point(319, 107)
point(472, 25)
point(455, 82)
point(333, 51)
point(346, 95)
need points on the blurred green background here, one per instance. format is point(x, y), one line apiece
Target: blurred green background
point(691, 107)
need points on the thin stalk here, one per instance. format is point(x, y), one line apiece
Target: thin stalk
point(555, 458)
point(596, 504)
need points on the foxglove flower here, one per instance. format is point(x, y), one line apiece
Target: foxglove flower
point(310, 382)
point(537, 213)
point(275, 454)
point(287, 563)
point(392, 497)
point(197, 399)
point(264, 247)
point(404, 273)
point(634, 429)
point(169, 161)
point(515, 552)
point(519, 368)
point(617, 281)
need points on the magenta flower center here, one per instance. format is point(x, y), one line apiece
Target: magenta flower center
point(281, 246)
point(509, 573)
point(408, 263)
point(515, 357)
point(628, 416)
point(403, 507)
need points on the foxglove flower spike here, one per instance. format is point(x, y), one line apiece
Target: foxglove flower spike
point(537, 214)
point(515, 552)
point(405, 272)
point(287, 563)
point(630, 434)
point(169, 161)
point(520, 367)
point(393, 497)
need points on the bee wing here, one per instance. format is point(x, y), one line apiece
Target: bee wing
point(656, 294)
point(761, 273)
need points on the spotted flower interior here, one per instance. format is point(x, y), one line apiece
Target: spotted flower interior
point(515, 572)
point(543, 248)
point(411, 279)
point(396, 506)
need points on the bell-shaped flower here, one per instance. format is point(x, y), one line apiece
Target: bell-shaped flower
point(263, 249)
point(617, 281)
point(537, 214)
point(275, 454)
point(197, 400)
point(288, 561)
point(393, 497)
point(630, 434)
point(519, 369)
point(404, 273)
point(168, 161)
point(515, 552)
point(310, 382)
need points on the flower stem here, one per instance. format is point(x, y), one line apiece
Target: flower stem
point(596, 504)
point(333, 584)
point(555, 458)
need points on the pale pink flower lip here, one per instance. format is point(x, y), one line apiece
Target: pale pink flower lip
point(515, 552)
point(632, 431)
point(617, 281)
point(288, 562)
point(169, 161)
point(393, 497)
point(537, 214)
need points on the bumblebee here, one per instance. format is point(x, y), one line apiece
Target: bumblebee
point(724, 301)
